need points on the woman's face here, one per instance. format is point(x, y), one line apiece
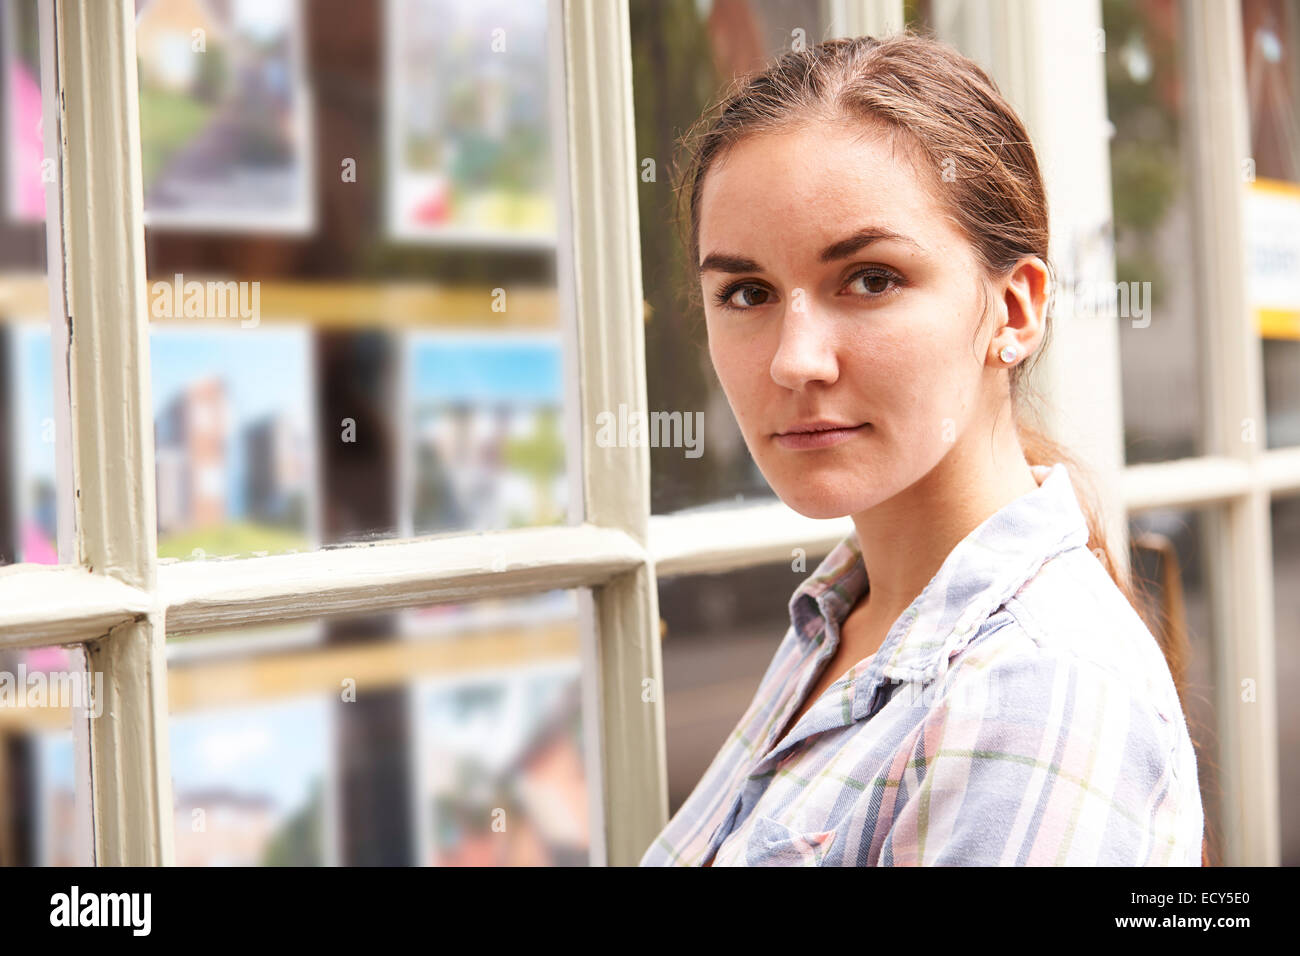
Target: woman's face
point(837, 292)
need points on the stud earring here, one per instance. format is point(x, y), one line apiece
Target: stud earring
point(1009, 354)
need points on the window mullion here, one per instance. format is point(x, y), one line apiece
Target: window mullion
point(600, 276)
point(103, 280)
point(205, 595)
point(1241, 534)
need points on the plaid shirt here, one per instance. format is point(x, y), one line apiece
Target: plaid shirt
point(1018, 713)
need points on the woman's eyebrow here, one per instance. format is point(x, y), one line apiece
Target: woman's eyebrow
point(726, 262)
point(722, 262)
point(863, 238)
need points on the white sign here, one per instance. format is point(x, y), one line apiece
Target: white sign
point(1272, 226)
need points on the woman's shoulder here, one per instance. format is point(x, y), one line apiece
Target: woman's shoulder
point(1071, 611)
point(1027, 717)
point(1062, 703)
point(1068, 655)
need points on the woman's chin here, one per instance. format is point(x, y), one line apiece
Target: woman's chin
point(820, 507)
point(821, 514)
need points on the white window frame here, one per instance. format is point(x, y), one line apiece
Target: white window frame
point(112, 598)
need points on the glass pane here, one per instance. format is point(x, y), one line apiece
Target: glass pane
point(1186, 605)
point(721, 631)
point(351, 236)
point(1271, 33)
point(683, 54)
point(28, 482)
point(46, 694)
point(446, 736)
point(1286, 624)
point(1160, 319)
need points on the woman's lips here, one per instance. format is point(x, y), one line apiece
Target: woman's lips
point(819, 439)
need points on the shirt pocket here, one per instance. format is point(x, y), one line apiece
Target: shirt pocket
point(771, 843)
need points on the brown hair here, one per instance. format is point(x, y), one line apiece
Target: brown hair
point(949, 114)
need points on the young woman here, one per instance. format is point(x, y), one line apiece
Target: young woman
point(965, 679)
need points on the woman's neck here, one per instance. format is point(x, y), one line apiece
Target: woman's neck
point(905, 539)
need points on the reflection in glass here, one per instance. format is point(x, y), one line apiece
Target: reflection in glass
point(31, 398)
point(253, 785)
point(1286, 624)
point(487, 444)
point(444, 736)
point(225, 116)
point(1271, 35)
point(469, 125)
point(1178, 592)
point(1159, 316)
point(720, 632)
point(350, 247)
point(235, 466)
point(45, 693)
point(28, 509)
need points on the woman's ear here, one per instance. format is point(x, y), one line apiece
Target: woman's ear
point(1024, 295)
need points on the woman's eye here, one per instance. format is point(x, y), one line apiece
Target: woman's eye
point(874, 282)
point(741, 296)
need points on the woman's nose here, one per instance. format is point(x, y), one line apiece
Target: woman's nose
point(805, 352)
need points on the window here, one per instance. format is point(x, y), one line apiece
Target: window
point(1159, 320)
point(353, 329)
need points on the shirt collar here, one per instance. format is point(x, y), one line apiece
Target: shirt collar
point(985, 568)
